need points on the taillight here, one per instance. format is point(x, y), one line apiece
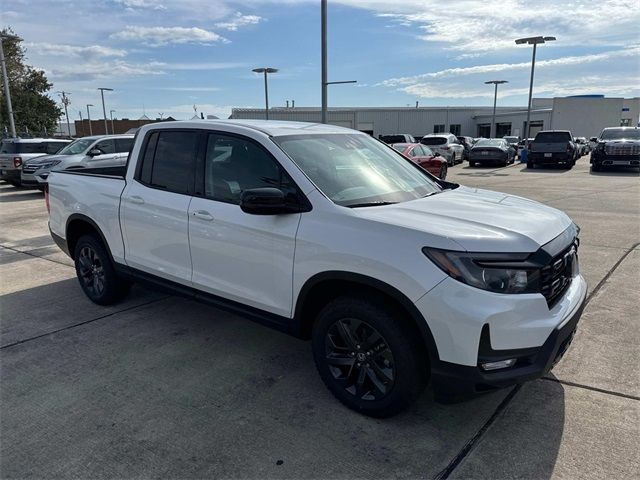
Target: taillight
point(46, 197)
point(17, 162)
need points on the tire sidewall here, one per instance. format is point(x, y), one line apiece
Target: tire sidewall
point(409, 374)
point(113, 288)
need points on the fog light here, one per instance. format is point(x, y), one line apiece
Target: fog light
point(497, 365)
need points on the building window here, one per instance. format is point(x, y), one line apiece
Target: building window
point(455, 129)
point(625, 122)
point(503, 129)
point(439, 128)
point(484, 130)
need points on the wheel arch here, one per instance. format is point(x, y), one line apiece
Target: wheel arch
point(325, 286)
point(78, 225)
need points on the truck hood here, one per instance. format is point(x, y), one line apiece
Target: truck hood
point(477, 220)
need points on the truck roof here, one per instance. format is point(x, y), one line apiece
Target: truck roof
point(274, 128)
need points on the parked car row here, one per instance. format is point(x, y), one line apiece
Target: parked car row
point(28, 162)
point(616, 147)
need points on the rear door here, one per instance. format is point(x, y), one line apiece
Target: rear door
point(123, 147)
point(236, 255)
point(154, 206)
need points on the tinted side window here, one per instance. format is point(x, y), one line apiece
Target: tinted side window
point(54, 147)
point(124, 145)
point(105, 146)
point(233, 165)
point(147, 158)
point(173, 162)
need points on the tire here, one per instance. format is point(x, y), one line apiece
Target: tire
point(472, 164)
point(530, 164)
point(595, 167)
point(348, 333)
point(443, 172)
point(96, 274)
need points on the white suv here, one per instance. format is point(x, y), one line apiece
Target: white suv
point(326, 233)
point(447, 145)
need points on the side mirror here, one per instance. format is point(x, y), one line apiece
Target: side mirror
point(94, 152)
point(436, 154)
point(263, 201)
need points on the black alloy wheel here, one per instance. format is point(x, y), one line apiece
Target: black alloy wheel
point(91, 271)
point(443, 171)
point(359, 359)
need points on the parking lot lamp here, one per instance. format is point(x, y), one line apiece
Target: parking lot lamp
point(89, 117)
point(104, 111)
point(493, 132)
point(111, 115)
point(266, 71)
point(531, 41)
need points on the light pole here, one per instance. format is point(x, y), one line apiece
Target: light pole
point(89, 117)
point(266, 70)
point(5, 78)
point(66, 101)
point(104, 111)
point(111, 115)
point(531, 41)
point(81, 122)
point(493, 130)
point(323, 54)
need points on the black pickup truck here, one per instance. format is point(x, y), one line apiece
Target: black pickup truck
point(552, 147)
point(616, 146)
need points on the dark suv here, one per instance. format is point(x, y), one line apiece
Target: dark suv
point(617, 146)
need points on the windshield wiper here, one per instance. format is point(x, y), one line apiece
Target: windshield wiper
point(432, 193)
point(370, 204)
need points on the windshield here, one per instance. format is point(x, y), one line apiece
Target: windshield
point(511, 139)
point(433, 140)
point(356, 170)
point(401, 147)
point(620, 133)
point(76, 147)
point(489, 143)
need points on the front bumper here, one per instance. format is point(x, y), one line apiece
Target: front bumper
point(615, 160)
point(472, 326)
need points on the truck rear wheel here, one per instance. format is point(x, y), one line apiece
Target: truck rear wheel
point(367, 357)
point(96, 274)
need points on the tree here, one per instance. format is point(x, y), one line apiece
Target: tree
point(33, 109)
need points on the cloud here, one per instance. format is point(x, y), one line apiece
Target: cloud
point(91, 51)
point(141, 4)
point(88, 71)
point(633, 51)
point(190, 89)
point(159, 36)
point(239, 20)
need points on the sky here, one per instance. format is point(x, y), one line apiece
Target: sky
point(163, 57)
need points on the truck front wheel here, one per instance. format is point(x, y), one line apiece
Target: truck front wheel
point(367, 357)
point(96, 274)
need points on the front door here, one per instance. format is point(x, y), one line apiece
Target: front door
point(236, 255)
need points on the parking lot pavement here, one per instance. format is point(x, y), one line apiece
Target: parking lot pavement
point(165, 387)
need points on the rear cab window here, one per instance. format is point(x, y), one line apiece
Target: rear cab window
point(553, 137)
point(23, 147)
point(434, 140)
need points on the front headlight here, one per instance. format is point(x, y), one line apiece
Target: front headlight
point(50, 164)
point(495, 272)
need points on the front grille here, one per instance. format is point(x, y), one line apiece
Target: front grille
point(29, 168)
point(556, 277)
point(624, 149)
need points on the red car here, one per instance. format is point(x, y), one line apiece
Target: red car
point(425, 157)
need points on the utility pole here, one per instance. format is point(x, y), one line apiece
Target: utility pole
point(89, 117)
point(81, 121)
point(323, 54)
point(5, 78)
point(104, 111)
point(66, 101)
point(111, 114)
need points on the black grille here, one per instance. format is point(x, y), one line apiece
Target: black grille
point(29, 168)
point(556, 277)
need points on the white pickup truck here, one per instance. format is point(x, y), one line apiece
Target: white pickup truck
point(397, 277)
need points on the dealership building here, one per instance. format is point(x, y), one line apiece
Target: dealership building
point(584, 116)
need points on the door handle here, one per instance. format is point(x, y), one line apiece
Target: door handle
point(203, 215)
point(136, 199)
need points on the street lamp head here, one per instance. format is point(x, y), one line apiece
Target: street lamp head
point(496, 82)
point(89, 104)
point(106, 89)
point(265, 70)
point(534, 40)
